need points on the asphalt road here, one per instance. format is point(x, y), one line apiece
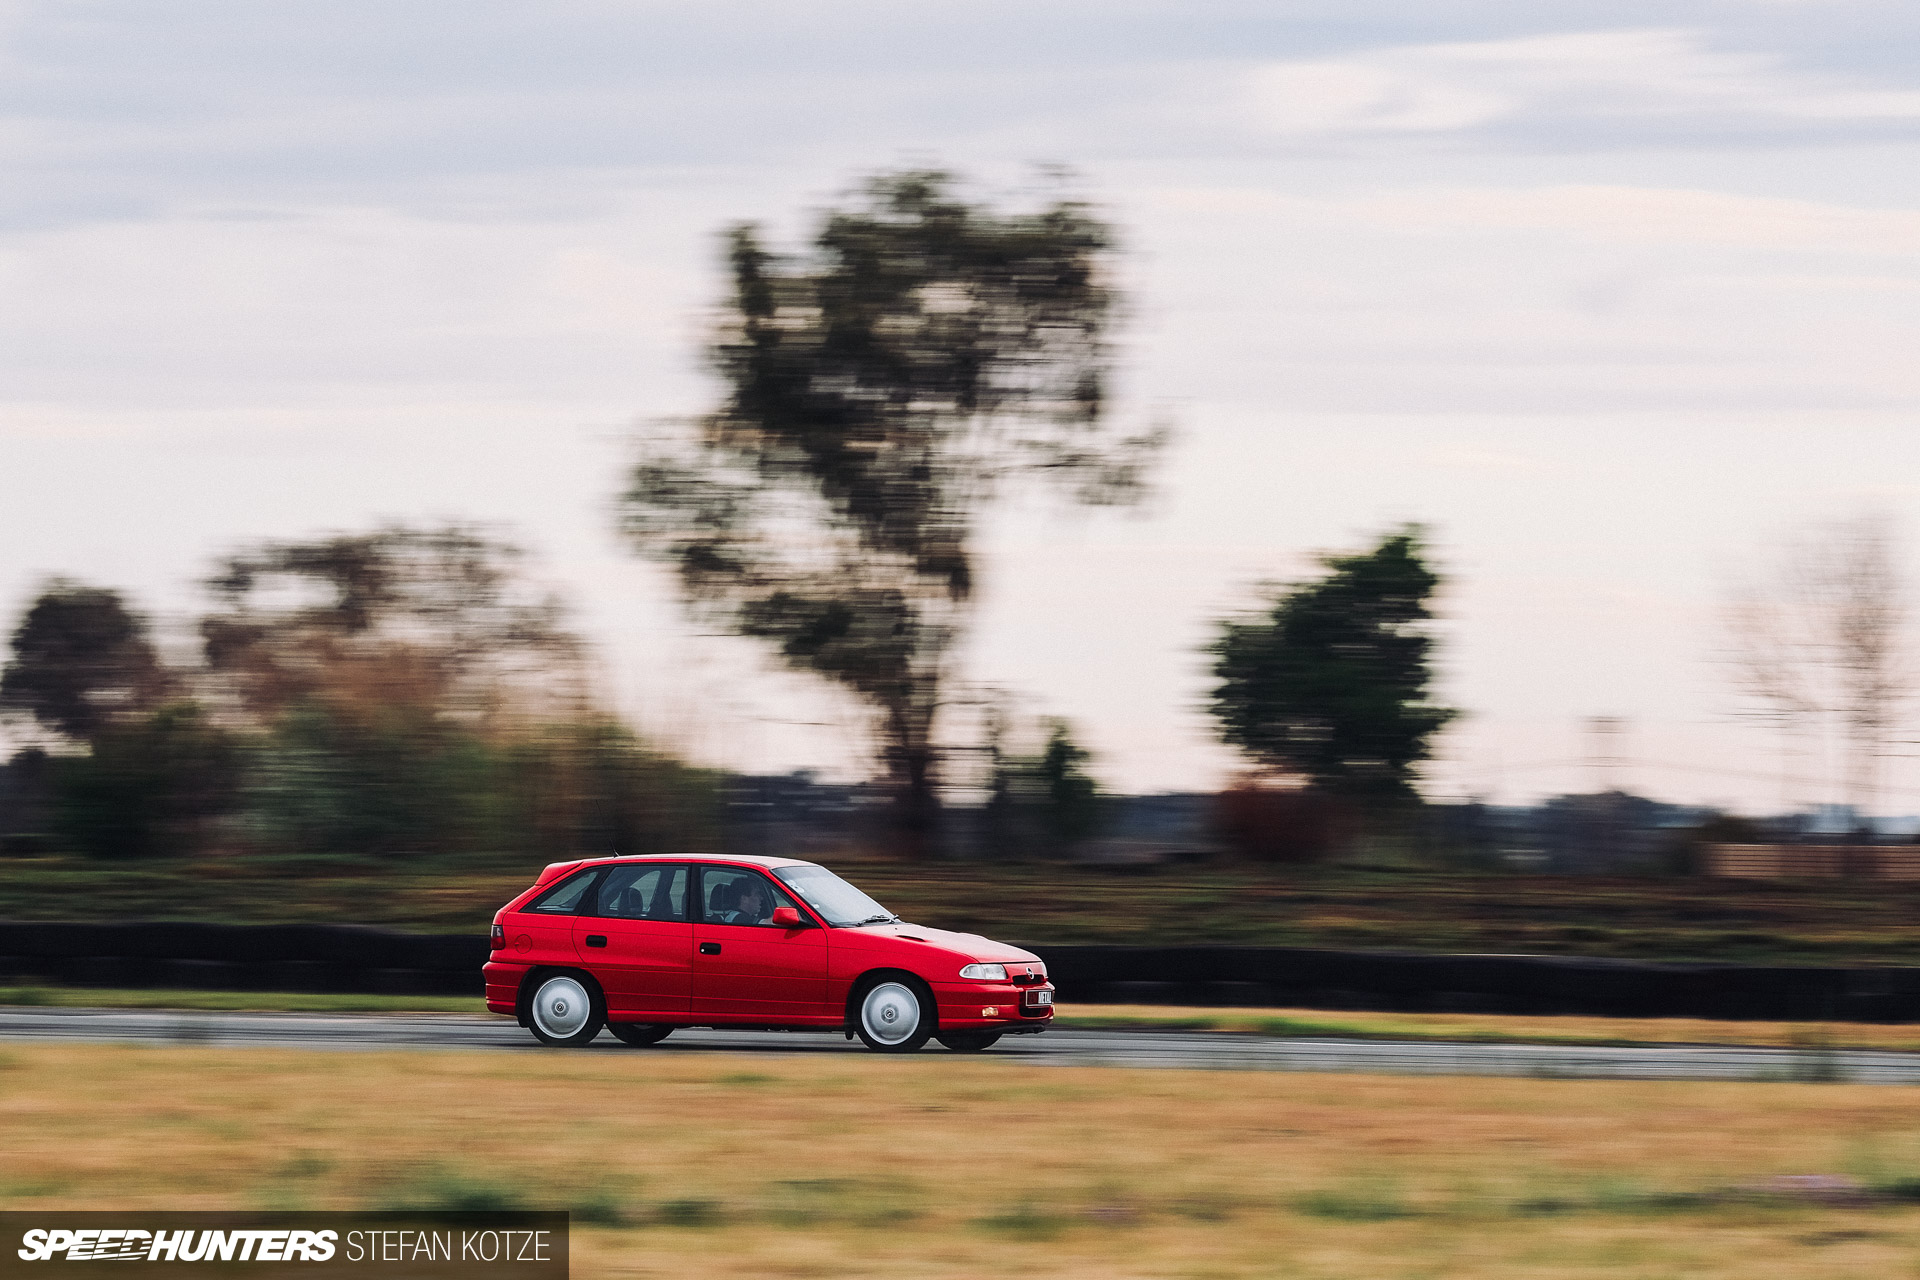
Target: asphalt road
point(1186, 1049)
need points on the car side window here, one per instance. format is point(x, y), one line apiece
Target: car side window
point(567, 897)
point(740, 897)
point(650, 892)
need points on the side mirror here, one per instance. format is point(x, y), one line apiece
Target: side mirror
point(787, 917)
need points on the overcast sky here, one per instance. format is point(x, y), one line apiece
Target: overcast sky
point(1608, 295)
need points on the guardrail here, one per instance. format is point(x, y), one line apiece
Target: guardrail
point(345, 958)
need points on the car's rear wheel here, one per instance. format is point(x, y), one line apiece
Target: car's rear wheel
point(565, 1010)
point(968, 1041)
point(894, 1017)
point(639, 1033)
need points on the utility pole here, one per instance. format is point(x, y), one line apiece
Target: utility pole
point(1605, 755)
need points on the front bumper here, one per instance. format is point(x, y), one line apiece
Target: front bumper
point(992, 1006)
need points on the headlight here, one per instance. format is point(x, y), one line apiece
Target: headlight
point(985, 972)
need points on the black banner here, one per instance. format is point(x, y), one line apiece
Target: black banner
point(496, 1246)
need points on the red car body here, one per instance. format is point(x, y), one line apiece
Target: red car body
point(684, 962)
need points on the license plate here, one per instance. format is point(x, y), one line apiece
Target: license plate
point(1039, 997)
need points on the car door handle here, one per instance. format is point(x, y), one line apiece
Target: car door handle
point(709, 948)
point(596, 940)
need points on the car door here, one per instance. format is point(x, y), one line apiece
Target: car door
point(636, 939)
point(746, 968)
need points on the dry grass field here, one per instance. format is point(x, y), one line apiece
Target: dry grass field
point(1495, 1028)
point(734, 1165)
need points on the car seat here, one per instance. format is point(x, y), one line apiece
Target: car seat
point(662, 907)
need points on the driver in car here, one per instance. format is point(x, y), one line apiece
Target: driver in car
point(753, 905)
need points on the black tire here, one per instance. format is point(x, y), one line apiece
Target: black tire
point(968, 1041)
point(894, 1013)
point(553, 1011)
point(639, 1034)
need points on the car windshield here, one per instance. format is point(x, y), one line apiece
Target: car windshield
point(839, 902)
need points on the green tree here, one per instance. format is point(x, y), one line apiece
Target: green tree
point(881, 391)
point(81, 661)
point(1330, 683)
point(149, 787)
point(1050, 795)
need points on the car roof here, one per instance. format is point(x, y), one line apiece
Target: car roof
point(747, 859)
point(553, 870)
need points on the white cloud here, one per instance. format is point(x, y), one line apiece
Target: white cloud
point(1666, 76)
point(1658, 216)
point(1594, 212)
point(1358, 96)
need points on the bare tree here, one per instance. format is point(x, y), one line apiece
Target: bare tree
point(1819, 648)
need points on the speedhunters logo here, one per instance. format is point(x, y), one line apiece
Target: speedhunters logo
point(111, 1244)
point(510, 1246)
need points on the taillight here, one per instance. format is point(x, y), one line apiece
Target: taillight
point(499, 938)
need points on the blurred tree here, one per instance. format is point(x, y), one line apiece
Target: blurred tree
point(407, 783)
point(397, 781)
point(881, 391)
point(1820, 647)
point(149, 787)
point(594, 786)
point(1050, 795)
point(26, 791)
point(1330, 685)
point(81, 661)
point(1072, 797)
point(440, 620)
point(414, 692)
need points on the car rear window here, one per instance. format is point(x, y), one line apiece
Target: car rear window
point(565, 898)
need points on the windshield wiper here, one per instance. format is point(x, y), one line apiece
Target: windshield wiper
point(885, 917)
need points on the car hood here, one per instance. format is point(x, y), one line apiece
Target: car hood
point(970, 945)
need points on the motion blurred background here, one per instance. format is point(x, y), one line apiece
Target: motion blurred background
point(1439, 440)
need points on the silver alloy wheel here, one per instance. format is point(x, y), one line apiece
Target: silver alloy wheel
point(890, 1013)
point(561, 1007)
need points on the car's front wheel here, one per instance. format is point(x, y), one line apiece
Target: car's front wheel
point(564, 1011)
point(968, 1041)
point(639, 1033)
point(894, 1017)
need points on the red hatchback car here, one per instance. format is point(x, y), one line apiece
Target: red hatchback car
point(644, 945)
